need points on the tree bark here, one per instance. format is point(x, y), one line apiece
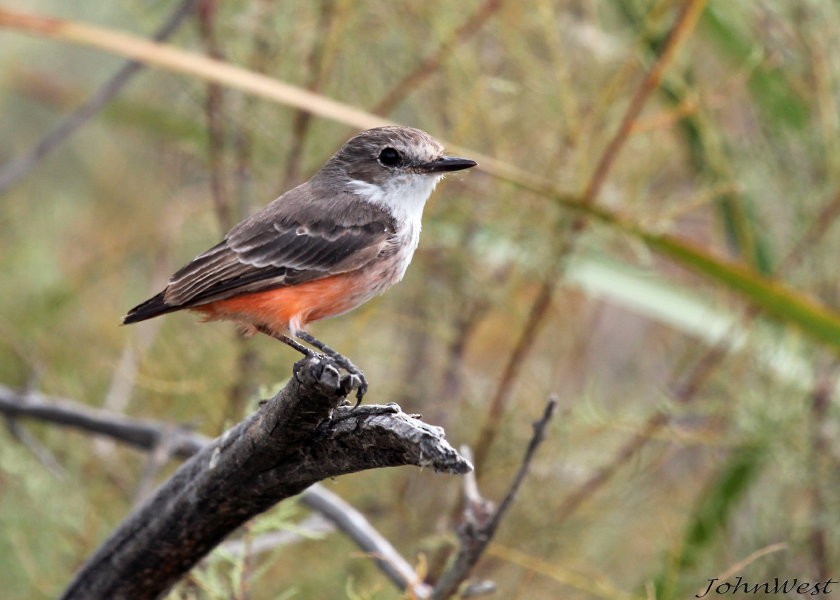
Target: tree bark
point(299, 437)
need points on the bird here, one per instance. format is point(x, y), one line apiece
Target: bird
point(319, 250)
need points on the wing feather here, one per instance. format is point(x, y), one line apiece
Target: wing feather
point(303, 235)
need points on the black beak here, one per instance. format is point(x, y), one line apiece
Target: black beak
point(445, 164)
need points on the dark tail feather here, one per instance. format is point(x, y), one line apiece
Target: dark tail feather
point(150, 308)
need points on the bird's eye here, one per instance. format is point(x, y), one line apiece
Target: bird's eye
point(390, 158)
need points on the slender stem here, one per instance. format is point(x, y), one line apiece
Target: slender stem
point(215, 118)
point(504, 390)
point(14, 171)
point(480, 525)
point(432, 63)
point(316, 67)
point(686, 20)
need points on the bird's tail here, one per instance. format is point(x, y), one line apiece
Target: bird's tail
point(152, 307)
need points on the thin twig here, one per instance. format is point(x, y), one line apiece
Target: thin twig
point(689, 14)
point(43, 454)
point(480, 525)
point(316, 67)
point(352, 522)
point(472, 311)
point(432, 63)
point(825, 219)
point(15, 170)
point(312, 527)
point(819, 449)
point(138, 341)
point(158, 456)
point(121, 387)
point(142, 433)
point(504, 389)
point(259, 61)
point(214, 115)
point(707, 156)
point(247, 356)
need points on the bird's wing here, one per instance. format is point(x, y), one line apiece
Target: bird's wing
point(299, 237)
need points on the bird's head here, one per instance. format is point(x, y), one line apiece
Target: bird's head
point(396, 167)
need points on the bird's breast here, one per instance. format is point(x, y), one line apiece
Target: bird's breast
point(392, 262)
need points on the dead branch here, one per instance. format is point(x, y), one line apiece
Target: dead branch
point(182, 443)
point(142, 433)
point(327, 438)
point(314, 526)
point(481, 521)
point(432, 63)
point(387, 558)
point(299, 437)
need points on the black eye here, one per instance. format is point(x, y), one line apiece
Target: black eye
point(390, 158)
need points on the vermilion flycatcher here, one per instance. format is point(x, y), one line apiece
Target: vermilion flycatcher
point(322, 248)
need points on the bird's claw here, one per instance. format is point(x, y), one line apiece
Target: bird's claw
point(361, 390)
point(355, 381)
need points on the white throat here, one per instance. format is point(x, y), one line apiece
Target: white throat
point(403, 196)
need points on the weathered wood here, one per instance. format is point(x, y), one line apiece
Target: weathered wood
point(299, 437)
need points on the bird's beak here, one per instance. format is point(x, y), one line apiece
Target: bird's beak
point(446, 164)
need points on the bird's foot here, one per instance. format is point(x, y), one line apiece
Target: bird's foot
point(356, 379)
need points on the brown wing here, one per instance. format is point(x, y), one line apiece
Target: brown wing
point(301, 236)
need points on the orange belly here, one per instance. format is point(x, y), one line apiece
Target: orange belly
point(290, 308)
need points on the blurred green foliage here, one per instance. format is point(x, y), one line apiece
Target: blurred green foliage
point(738, 152)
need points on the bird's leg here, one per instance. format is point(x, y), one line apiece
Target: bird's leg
point(293, 343)
point(286, 340)
point(359, 382)
point(341, 360)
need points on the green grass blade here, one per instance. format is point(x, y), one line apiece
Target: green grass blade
point(774, 297)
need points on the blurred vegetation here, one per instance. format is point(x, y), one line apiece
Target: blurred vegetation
point(674, 459)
